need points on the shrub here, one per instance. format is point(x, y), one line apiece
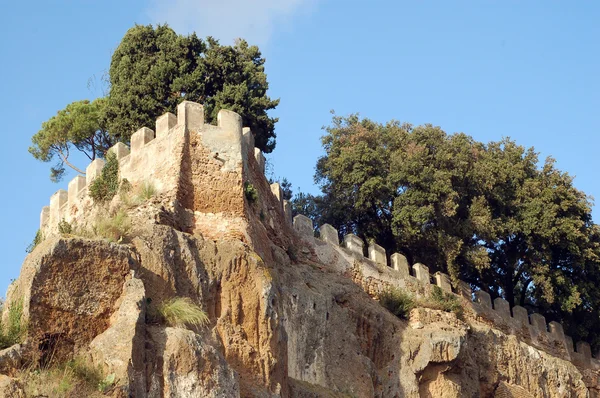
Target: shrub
point(105, 186)
point(439, 300)
point(116, 228)
point(39, 237)
point(397, 302)
point(64, 228)
point(250, 192)
point(13, 331)
point(77, 377)
point(181, 311)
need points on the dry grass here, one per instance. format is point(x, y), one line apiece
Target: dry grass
point(116, 228)
point(181, 312)
point(75, 378)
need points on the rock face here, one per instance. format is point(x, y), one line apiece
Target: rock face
point(289, 315)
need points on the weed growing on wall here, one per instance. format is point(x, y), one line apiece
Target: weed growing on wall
point(64, 228)
point(400, 303)
point(13, 330)
point(397, 302)
point(39, 237)
point(250, 192)
point(105, 186)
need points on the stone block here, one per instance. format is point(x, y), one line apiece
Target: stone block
point(354, 244)
point(75, 186)
point(191, 115)
point(276, 190)
point(93, 170)
point(502, 307)
point(120, 150)
point(329, 234)
point(483, 298)
point(304, 226)
point(165, 123)
point(230, 121)
point(44, 216)
point(538, 322)
point(287, 211)
point(377, 254)
point(584, 349)
point(556, 330)
point(520, 315)
point(443, 281)
point(569, 344)
point(422, 273)
point(57, 201)
point(260, 159)
point(464, 290)
point(248, 139)
point(400, 264)
point(141, 138)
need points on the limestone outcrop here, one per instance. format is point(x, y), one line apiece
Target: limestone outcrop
point(290, 315)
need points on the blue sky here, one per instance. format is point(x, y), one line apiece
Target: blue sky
point(528, 70)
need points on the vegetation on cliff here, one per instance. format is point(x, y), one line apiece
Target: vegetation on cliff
point(488, 214)
point(153, 70)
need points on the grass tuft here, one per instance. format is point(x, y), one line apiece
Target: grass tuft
point(115, 229)
point(181, 312)
point(146, 191)
point(397, 302)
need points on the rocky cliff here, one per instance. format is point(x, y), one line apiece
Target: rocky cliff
point(288, 315)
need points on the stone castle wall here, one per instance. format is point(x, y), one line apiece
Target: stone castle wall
point(375, 274)
point(200, 171)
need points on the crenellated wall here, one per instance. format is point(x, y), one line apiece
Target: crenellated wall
point(200, 171)
point(376, 274)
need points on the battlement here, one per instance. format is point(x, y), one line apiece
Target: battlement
point(200, 171)
point(170, 157)
point(377, 274)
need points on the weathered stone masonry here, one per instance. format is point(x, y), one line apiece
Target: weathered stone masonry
point(202, 168)
point(531, 328)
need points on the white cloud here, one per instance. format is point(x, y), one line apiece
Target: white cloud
point(226, 20)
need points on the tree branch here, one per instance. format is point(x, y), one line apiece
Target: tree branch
point(65, 161)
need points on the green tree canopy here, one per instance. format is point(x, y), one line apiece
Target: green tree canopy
point(488, 214)
point(153, 70)
point(79, 126)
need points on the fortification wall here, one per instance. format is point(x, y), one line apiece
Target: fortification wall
point(376, 274)
point(199, 172)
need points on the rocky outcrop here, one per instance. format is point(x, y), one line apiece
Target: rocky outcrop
point(289, 315)
point(186, 364)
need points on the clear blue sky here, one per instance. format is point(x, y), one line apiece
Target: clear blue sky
point(528, 70)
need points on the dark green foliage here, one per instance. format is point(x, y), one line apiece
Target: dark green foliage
point(39, 237)
point(154, 69)
point(489, 214)
point(250, 192)
point(13, 331)
point(79, 126)
point(105, 186)
point(397, 302)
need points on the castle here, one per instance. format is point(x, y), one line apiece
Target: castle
point(202, 170)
